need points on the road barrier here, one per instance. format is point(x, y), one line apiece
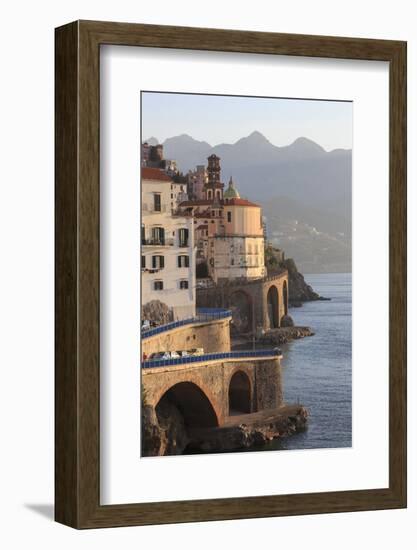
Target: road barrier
point(153, 363)
point(203, 316)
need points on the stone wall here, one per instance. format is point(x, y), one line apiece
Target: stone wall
point(213, 336)
point(269, 394)
point(214, 380)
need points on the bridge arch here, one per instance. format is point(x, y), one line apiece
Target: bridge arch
point(272, 300)
point(192, 402)
point(240, 304)
point(240, 393)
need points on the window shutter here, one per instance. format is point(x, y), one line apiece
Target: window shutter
point(153, 262)
point(187, 261)
point(161, 262)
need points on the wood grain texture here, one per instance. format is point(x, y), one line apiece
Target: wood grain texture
point(78, 285)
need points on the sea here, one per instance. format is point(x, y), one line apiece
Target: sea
point(317, 370)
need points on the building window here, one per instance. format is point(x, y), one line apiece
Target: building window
point(229, 217)
point(143, 263)
point(158, 262)
point(158, 285)
point(183, 261)
point(172, 195)
point(142, 234)
point(158, 235)
point(183, 285)
point(157, 202)
point(183, 237)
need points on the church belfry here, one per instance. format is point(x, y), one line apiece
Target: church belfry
point(214, 187)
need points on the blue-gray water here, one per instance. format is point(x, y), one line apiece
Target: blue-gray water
point(317, 371)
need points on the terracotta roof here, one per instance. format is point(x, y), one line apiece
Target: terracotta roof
point(239, 202)
point(229, 202)
point(201, 202)
point(154, 174)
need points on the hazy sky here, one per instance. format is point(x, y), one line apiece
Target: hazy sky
point(225, 119)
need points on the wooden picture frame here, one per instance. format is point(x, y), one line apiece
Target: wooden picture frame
point(77, 405)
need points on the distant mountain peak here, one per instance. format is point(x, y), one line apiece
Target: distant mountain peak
point(185, 139)
point(255, 138)
point(307, 143)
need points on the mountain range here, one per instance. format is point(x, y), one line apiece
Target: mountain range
point(305, 192)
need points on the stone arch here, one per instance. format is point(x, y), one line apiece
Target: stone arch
point(240, 394)
point(241, 307)
point(272, 302)
point(193, 404)
point(285, 297)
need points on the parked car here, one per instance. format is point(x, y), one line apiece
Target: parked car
point(196, 351)
point(160, 355)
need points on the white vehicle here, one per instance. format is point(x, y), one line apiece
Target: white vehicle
point(146, 324)
point(196, 351)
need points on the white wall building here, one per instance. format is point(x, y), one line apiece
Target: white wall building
point(167, 250)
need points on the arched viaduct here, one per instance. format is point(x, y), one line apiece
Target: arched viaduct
point(207, 393)
point(254, 304)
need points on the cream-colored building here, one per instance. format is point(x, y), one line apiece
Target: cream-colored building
point(167, 249)
point(228, 231)
point(238, 250)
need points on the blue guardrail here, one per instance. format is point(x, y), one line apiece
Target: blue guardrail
point(153, 363)
point(203, 315)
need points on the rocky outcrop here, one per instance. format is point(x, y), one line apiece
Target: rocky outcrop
point(250, 430)
point(164, 433)
point(157, 312)
point(287, 321)
point(283, 335)
point(163, 430)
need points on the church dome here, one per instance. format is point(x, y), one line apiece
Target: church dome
point(231, 192)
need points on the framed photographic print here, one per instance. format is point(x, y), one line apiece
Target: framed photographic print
point(230, 274)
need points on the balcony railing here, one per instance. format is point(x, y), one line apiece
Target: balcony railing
point(150, 208)
point(157, 242)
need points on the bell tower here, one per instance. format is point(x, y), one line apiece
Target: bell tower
point(214, 187)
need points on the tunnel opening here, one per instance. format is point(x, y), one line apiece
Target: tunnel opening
point(273, 307)
point(239, 394)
